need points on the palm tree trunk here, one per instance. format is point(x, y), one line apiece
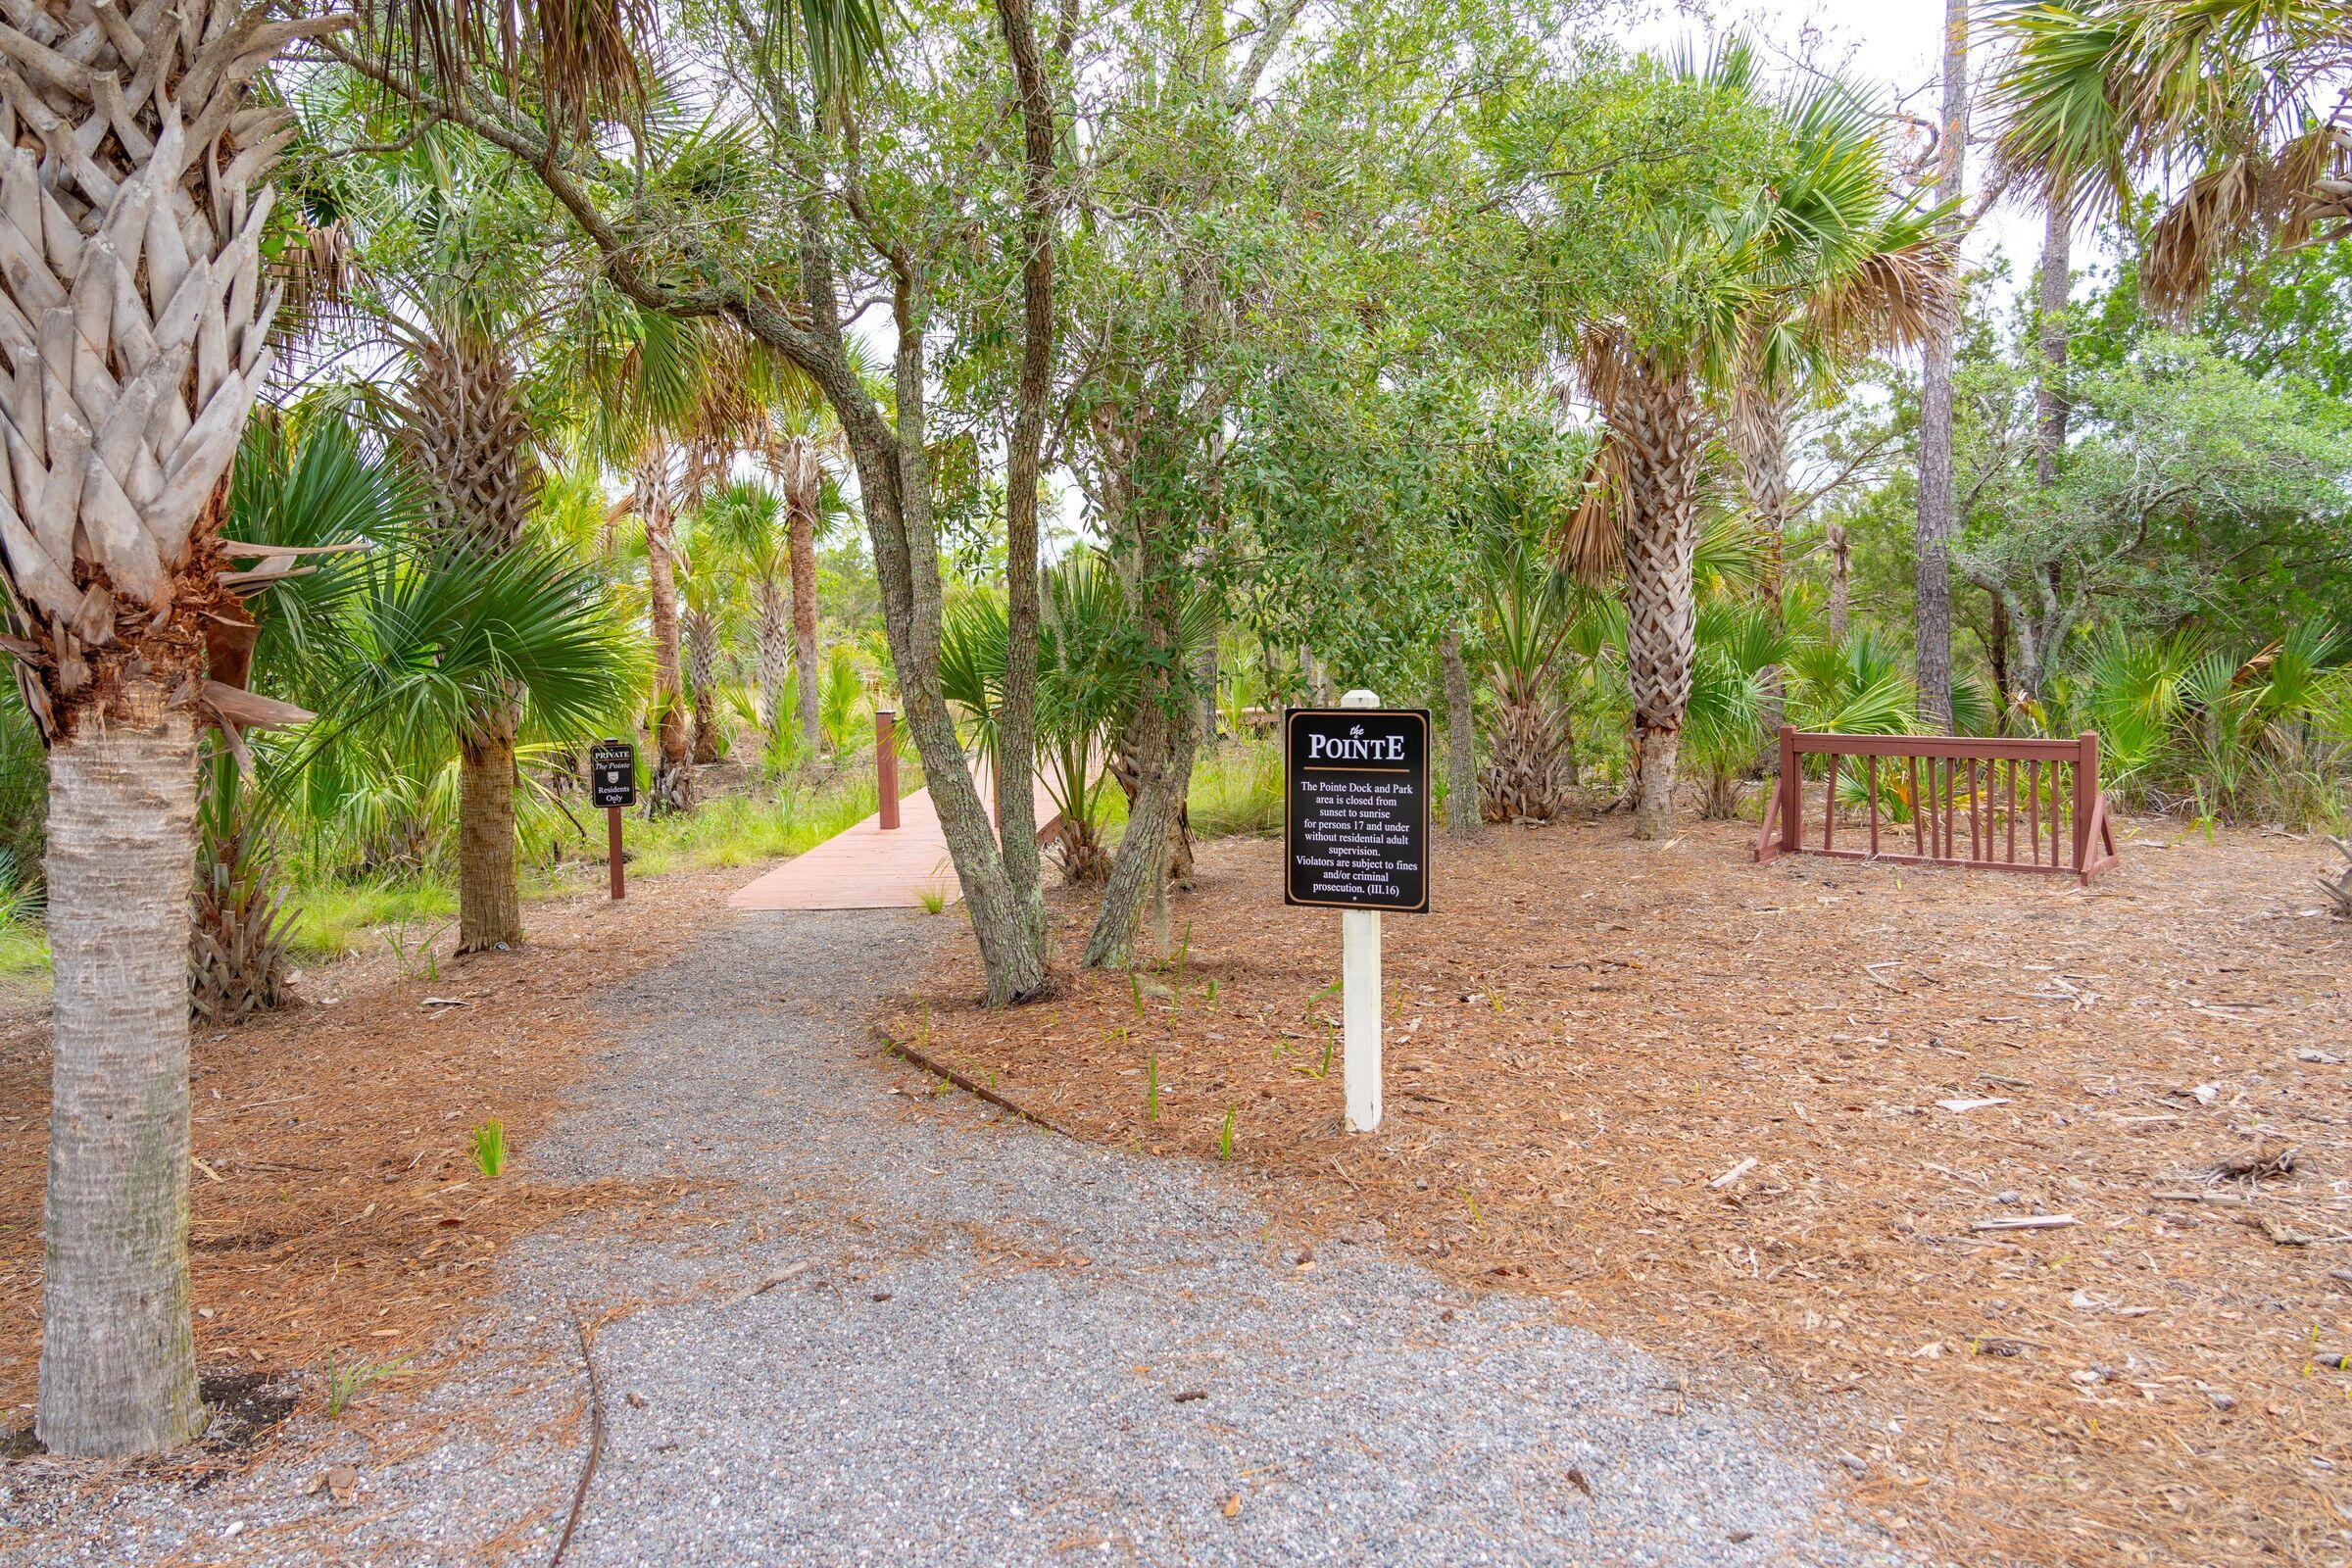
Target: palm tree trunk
point(673, 769)
point(1659, 421)
point(117, 1350)
point(775, 656)
point(1463, 812)
point(799, 526)
point(489, 894)
point(1931, 549)
point(701, 670)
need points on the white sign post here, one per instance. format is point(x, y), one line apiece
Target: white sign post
point(1359, 987)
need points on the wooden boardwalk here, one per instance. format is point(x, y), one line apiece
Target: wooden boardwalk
point(866, 868)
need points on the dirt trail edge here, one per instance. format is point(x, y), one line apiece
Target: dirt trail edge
point(900, 1327)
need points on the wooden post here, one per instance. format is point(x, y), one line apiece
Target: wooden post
point(619, 878)
point(1791, 791)
point(886, 764)
point(1359, 1000)
point(2086, 797)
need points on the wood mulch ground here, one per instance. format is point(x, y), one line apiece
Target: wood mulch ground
point(339, 1226)
point(1763, 1118)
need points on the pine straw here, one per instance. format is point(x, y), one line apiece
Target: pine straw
point(337, 1216)
point(1590, 1031)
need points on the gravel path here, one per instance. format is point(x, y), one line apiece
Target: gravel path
point(999, 1346)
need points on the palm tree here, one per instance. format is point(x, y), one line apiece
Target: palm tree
point(446, 265)
point(304, 486)
point(134, 325)
point(743, 521)
point(673, 401)
point(801, 451)
point(2245, 94)
point(1532, 609)
point(439, 631)
point(1727, 270)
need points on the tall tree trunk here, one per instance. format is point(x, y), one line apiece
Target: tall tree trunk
point(1842, 578)
point(1463, 812)
point(1996, 649)
point(1210, 676)
point(2051, 403)
point(673, 756)
point(118, 1350)
point(1160, 745)
point(804, 488)
point(1016, 706)
point(1161, 737)
point(702, 675)
point(1931, 558)
point(894, 478)
point(489, 894)
point(464, 428)
point(1657, 419)
point(1760, 431)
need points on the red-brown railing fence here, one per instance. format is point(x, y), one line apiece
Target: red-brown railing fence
point(1944, 799)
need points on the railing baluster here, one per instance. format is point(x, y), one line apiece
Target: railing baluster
point(1872, 785)
point(1950, 809)
point(1829, 803)
point(1919, 842)
point(2034, 808)
point(1942, 773)
point(2056, 798)
point(2013, 810)
point(1974, 812)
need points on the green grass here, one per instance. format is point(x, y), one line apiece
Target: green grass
point(742, 829)
point(1237, 788)
point(24, 950)
point(333, 918)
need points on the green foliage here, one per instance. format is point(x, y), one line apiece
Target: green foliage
point(347, 1380)
point(490, 1147)
point(2184, 723)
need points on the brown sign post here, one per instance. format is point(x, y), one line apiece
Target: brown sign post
point(612, 785)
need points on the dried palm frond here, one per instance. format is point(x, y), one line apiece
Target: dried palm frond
point(1890, 299)
point(2237, 202)
point(2339, 888)
point(1590, 542)
point(577, 54)
point(238, 947)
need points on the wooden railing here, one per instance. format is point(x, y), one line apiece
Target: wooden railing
point(1996, 802)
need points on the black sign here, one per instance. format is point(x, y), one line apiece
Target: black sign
point(613, 774)
point(1355, 821)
